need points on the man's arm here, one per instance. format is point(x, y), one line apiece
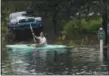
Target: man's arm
point(35, 36)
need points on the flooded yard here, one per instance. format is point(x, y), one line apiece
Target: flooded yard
point(67, 61)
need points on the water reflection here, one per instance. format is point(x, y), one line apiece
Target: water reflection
point(60, 63)
point(78, 61)
point(48, 62)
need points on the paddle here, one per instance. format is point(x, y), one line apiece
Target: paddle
point(33, 33)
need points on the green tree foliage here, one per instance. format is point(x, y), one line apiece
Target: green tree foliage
point(4, 20)
point(77, 27)
point(60, 13)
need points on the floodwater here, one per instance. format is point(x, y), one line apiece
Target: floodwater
point(73, 61)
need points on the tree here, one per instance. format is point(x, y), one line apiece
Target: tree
point(60, 10)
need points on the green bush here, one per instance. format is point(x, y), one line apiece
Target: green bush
point(77, 27)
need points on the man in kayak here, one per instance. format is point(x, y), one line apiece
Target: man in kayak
point(42, 39)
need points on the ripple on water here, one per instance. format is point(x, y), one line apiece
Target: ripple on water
point(79, 61)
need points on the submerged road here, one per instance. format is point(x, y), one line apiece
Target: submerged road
point(75, 61)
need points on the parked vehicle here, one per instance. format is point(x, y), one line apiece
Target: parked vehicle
point(19, 20)
point(19, 24)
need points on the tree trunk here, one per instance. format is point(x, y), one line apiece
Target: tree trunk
point(105, 22)
point(55, 21)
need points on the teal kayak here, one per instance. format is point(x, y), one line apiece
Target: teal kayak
point(27, 48)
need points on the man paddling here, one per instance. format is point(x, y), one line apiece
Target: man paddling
point(41, 38)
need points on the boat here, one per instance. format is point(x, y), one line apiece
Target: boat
point(30, 48)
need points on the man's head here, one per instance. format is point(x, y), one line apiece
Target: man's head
point(42, 34)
